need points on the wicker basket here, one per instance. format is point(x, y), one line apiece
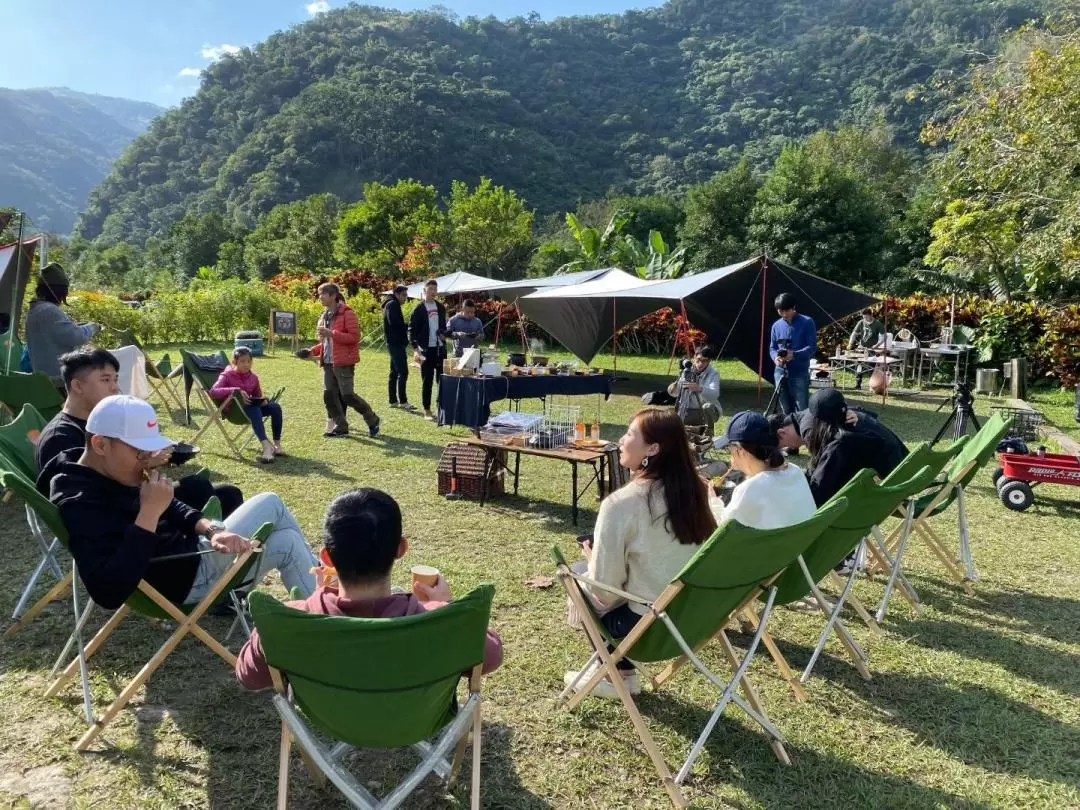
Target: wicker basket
point(470, 471)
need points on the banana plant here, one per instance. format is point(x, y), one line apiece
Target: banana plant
point(595, 249)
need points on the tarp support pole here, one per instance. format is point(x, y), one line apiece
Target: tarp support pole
point(680, 330)
point(885, 365)
point(614, 338)
point(521, 329)
point(498, 322)
point(13, 316)
point(761, 336)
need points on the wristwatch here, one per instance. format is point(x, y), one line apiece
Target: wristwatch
point(214, 527)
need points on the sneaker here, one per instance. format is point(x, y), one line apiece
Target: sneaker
point(408, 408)
point(429, 416)
point(373, 430)
point(336, 433)
point(394, 405)
point(846, 566)
point(605, 689)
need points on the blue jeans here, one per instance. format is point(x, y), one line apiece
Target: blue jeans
point(256, 413)
point(795, 396)
point(285, 549)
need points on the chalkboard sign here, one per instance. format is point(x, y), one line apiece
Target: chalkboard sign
point(284, 323)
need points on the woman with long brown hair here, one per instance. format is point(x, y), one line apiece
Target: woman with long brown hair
point(647, 530)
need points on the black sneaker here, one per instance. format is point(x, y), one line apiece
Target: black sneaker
point(373, 430)
point(336, 433)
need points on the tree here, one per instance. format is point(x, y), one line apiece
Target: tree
point(489, 230)
point(815, 215)
point(717, 215)
point(194, 242)
point(296, 236)
point(653, 212)
point(379, 230)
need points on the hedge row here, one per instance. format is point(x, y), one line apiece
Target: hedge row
point(1049, 337)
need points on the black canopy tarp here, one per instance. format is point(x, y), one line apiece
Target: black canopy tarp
point(733, 305)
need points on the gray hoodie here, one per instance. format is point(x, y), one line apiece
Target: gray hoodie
point(51, 333)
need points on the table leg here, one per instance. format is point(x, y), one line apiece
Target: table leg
point(489, 460)
point(517, 470)
point(573, 478)
point(600, 478)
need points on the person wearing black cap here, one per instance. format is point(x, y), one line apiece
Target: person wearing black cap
point(773, 493)
point(396, 332)
point(837, 451)
point(50, 332)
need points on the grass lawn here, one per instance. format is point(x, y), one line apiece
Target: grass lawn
point(972, 705)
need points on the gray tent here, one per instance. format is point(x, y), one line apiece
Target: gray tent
point(733, 305)
point(15, 266)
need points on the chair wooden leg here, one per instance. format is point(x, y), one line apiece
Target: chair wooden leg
point(91, 648)
point(778, 657)
point(57, 591)
point(477, 740)
point(283, 768)
point(752, 696)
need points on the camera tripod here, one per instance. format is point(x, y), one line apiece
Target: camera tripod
point(780, 389)
point(962, 411)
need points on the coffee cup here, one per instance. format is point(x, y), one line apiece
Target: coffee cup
point(425, 574)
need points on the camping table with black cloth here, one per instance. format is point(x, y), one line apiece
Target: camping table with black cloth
point(467, 400)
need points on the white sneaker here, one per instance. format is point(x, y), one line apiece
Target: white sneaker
point(605, 689)
point(394, 405)
point(429, 416)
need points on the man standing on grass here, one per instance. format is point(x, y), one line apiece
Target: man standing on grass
point(396, 332)
point(465, 328)
point(338, 351)
point(427, 332)
point(792, 343)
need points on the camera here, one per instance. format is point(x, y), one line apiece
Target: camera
point(688, 373)
point(784, 348)
point(963, 393)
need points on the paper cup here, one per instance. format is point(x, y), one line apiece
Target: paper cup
point(425, 574)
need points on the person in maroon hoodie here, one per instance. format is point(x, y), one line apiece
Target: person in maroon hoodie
point(362, 535)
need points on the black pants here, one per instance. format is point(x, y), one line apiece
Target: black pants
point(430, 372)
point(399, 375)
point(619, 622)
point(195, 491)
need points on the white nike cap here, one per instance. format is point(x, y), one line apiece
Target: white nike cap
point(129, 419)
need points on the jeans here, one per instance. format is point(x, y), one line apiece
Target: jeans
point(338, 395)
point(430, 371)
point(795, 395)
point(195, 491)
point(619, 622)
point(399, 375)
point(256, 412)
point(285, 549)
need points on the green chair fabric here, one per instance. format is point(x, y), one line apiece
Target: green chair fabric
point(18, 389)
point(979, 449)
point(869, 503)
point(924, 455)
point(11, 349)
point(18, 438)
point(375, 683)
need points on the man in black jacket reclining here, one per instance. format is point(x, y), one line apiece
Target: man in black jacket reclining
point(120, 514)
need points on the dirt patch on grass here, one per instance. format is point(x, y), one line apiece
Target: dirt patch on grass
point(45, 788)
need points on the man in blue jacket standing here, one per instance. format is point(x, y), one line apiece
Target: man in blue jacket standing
point(792, 344)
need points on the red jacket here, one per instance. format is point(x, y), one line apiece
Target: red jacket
point(345, 337)
point(253, 672)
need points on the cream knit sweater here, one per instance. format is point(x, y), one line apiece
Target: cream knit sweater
point(632, 547)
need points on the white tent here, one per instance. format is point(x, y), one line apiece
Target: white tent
point(456, 284)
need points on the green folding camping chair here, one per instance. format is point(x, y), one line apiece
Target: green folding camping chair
point(231, 410)
point(727, 574)
point(923, 455)
point(149, 602)
point(18, 389)
point(958, 473)
point(11, 350)
point(157, 374)
point(868, 504)
point(17, 440)
point(376, 683)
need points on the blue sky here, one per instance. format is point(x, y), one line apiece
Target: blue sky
point(153, 49)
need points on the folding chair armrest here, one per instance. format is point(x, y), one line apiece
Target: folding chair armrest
point(592, 583)
point(277, 394)
point(258, 537)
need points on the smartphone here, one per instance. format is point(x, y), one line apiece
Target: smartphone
point(583, 539)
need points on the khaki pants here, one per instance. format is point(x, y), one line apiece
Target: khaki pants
point(338, 395)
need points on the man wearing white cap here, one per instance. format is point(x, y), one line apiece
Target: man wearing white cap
point(120, 514)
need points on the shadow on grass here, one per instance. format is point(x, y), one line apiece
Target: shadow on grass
point(832, 781)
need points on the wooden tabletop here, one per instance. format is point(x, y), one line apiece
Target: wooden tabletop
point(562, 453)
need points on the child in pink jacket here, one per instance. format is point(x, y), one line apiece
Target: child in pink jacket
point(362, 533)
point(240, 379)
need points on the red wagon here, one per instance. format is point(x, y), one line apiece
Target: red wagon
point(1018, 473)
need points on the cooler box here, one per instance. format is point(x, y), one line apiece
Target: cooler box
point(252, 340)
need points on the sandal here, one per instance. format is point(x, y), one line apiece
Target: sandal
point(266, 459)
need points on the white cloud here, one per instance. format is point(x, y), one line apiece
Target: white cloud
point(215, 52)
point(317, 7)
point(189, 72)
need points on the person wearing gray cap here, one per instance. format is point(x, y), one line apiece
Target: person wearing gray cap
point(50, 332)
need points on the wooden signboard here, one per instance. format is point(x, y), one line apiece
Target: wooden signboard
point(283, 325)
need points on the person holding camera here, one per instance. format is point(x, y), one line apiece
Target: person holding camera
point(696, 392)
point(792, 344)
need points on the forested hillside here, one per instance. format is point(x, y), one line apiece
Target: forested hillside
point(57, 144)
point(646, 101)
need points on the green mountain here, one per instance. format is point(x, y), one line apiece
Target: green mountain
point(573, 108)
point(57, 144)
